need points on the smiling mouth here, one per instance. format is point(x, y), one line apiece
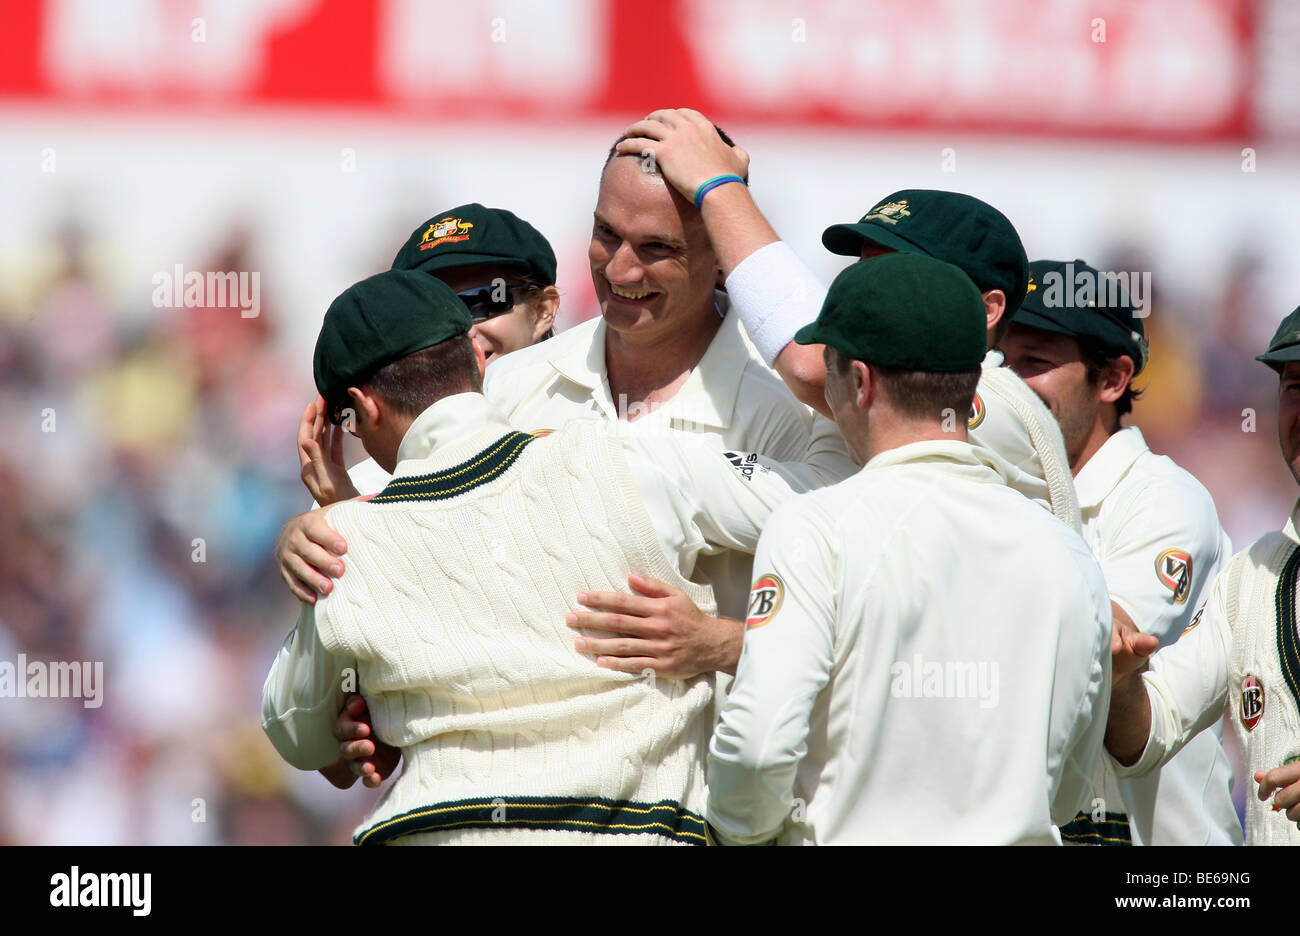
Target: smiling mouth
point(630, 295)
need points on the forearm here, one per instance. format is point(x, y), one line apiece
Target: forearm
point(731, 640)
point(1129, 724)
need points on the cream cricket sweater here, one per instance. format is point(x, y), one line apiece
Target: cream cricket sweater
point(460, 575)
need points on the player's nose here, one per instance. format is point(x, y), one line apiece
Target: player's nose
point(624, 268)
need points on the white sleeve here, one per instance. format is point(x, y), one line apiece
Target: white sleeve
point(1162, 557)
point(1187, 683)
point(775, 294)
point(1080, 694)
point(303, 695)
point(789, 650)
point(724, 498)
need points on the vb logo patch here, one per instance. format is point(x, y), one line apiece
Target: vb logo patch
point(764, 600)
point(1174, 569)
point(1252, 702)
point(976, 413)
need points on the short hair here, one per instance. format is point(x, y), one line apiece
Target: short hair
point(920, 394)
point(1097, 358)
point(412, 384)
point(613, 149)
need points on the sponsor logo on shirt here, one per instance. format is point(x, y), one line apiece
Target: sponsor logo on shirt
point(1196, 619)
point(745, 463)
point(976, 413)
point(1252, 702)
point(1174, 569)
point(765, 600)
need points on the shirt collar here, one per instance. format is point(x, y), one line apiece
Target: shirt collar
point(1292, 528)
point(1099, 476)
point(452, 420)
point(707, 398)
point(978, 462)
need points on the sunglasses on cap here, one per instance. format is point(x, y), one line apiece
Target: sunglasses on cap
point(485, 302)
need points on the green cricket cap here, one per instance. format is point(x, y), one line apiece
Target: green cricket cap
point(378, 320)
point(472, 235)
point(1073, 298)
point(1285, 345)
point(948, 226)
point(905, 311)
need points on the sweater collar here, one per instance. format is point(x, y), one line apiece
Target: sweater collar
point(456, 422)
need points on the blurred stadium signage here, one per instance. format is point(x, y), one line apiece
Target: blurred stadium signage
point(1161, 69)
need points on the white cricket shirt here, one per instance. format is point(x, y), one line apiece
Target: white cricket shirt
point(1155, 531)
point(882, 697)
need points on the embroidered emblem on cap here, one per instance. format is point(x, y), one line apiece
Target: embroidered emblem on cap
point(447, 230)
point(890, 213)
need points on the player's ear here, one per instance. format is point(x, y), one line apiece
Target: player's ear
point(545, 308)
point(479, 356)
point(995, 306)
point(864, 384)
point(1115, 378)
point(366, 406)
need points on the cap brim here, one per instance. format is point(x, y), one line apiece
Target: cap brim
point(846, 239)
point(810, 334)
point(1277, 359)
point(1034, 319)
point(446, 261)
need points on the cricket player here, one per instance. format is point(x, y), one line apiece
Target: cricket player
point(452, 618)
point(1241, 649)
point(881, 696)
point(667, 352)
point(503, 269)
point(1078, 343)
point(1005, 416)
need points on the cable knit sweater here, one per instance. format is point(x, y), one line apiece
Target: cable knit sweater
point(460, 575)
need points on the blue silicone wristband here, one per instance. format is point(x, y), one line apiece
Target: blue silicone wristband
point(711, 185)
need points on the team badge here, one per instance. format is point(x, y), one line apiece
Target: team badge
point(1032, 285)
point(764, 600)
point(890, 213)
point(1252, 702)
point(1196, 619)
point(447, 230)
point(976, 413)
point(1174, 569)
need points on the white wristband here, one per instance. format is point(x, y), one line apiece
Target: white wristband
point(775, 295)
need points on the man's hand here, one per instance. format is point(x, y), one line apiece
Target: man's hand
point(657, 629)
point(1286, 781)
point(686, 147)
point(1129, 647)
point(371, 760)
point(308, 551)
point(320, 452)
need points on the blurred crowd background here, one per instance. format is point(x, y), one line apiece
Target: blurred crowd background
point(149, 458)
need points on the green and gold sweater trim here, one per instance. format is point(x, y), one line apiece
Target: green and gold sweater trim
point(1113, 830)
point(603, 816)
point(480, 469)
point(1288, 642)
